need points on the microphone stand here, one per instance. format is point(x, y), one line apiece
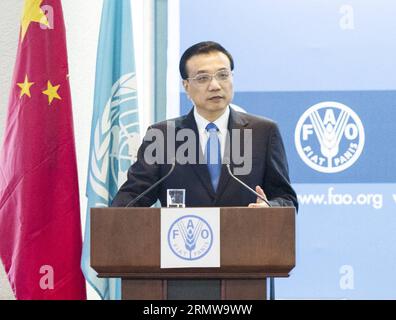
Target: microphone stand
point(247, 187)
point(133, 201)
point(272, 280)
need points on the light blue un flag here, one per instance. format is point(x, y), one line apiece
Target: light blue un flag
point(115, 125)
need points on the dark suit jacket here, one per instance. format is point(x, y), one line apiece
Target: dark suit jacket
point(269, 170)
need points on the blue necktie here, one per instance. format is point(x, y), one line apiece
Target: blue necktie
point(213, 155)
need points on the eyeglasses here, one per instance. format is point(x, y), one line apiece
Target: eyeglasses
point(206, 78)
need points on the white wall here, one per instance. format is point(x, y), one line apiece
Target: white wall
point(9, 30)
point(173, 77)
point(82, 19)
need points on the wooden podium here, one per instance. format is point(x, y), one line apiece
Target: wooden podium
point(255, 243)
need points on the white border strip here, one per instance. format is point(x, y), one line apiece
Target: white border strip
point(143, 35)
point(172, 77)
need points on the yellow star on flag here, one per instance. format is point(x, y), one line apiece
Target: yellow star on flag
point(25, 87)
point(32, 13)
point(52, 92)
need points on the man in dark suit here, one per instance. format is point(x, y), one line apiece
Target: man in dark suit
point(206, 69)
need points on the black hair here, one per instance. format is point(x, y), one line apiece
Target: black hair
point(201, 48)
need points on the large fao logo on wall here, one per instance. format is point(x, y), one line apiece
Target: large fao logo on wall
point(329, 137)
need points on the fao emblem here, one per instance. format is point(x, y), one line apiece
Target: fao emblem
point(190, 237)
point(329, 137)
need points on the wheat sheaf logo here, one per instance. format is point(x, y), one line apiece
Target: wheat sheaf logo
point(190, 237)
point(329, 137)
point(116, 140)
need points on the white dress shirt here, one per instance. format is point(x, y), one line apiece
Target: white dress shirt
point(222, 125)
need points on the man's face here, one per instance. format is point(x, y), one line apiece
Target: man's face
point(212, 98)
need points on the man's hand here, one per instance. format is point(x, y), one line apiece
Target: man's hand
point(259, 203)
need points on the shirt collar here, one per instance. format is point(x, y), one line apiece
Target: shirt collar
point(221, 122)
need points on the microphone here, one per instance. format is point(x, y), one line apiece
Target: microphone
point(133, 201)
point(246, 186)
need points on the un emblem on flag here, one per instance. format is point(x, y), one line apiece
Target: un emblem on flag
point(190, 237)
point(329, 137)
point(115, 140)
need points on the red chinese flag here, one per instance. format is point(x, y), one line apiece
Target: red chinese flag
point(40, 228)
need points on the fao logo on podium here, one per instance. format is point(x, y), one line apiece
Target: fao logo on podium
point(329, 137)
point(190, 237)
